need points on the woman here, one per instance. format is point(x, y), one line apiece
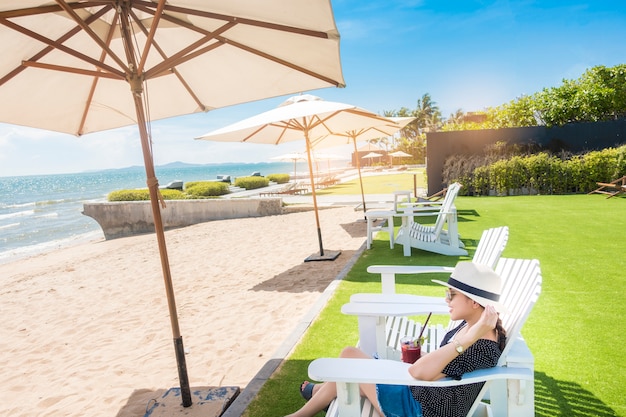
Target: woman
point(472, 296)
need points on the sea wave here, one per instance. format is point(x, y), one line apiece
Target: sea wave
point(31, 250)
point(59, 201)
point(10, 225)
point(17, 205)
point(22, 213)
point(47, 215)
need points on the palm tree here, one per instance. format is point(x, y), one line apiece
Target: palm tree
point(427, 114)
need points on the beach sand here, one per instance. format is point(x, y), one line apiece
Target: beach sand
point(87, 329)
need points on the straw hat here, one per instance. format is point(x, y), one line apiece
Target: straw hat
point(478, 282)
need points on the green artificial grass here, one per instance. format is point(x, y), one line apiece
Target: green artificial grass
point(379, 184)
point(574, 331)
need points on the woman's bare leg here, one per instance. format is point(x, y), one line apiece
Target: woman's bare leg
point(324, 393)
point(367, 390)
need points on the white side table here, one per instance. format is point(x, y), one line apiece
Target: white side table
point(398, 197)
point(387, 217)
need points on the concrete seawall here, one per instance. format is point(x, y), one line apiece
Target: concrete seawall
point(119, 219)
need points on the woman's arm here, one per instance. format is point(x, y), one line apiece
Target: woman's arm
point(429, 367)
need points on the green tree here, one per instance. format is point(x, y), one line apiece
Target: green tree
point(413, 136)
point(598, 95)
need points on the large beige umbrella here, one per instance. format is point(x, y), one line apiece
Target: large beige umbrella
point(80, 66)
point(300, 117)
point(393, 125)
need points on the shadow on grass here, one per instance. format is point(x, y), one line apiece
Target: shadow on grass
point(565, 398)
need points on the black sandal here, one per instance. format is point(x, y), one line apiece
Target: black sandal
point(307, 391)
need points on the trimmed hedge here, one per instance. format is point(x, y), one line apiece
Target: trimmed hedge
point(193, 190)
point(250, 183)
point(143, 194)
point(201, 189)
point(279, 178)
point(540, 173)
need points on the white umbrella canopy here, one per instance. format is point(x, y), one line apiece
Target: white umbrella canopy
point(79, 66)
point(295, 157)
point(372, 155)
point(319, 156)
point(300, 117)
point(400, 154)
point(392, 126)
point(202, 55)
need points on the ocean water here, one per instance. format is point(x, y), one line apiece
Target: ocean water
point(42, 212)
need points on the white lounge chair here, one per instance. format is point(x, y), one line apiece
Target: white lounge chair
point(442, 237)
point(521, 288)
point(488, 252)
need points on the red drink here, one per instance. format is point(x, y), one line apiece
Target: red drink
point(411, 350)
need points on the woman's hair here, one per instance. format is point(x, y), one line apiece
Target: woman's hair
point(501, 333)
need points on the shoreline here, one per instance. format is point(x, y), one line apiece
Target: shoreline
point(26, 252)
point(88, 324)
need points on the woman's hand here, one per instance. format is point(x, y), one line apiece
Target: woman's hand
point(487, 322)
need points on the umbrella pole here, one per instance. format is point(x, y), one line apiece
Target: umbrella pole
point(153, 186)
point(317, 217)
point(329, 255)
point(358, 168)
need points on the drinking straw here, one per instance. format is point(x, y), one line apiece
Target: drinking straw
point(424, 326)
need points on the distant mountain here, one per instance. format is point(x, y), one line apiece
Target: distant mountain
point(178, 164)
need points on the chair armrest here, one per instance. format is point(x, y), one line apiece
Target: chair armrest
point(395, 298)
point(408, 269)
point(384, 371)
point(388, 272)
point(380, 309)
point(425, 205)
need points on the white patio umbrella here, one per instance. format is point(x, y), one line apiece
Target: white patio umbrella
point(354, 135)
point(399, 154)
point(78, 66)
point(372, 155)
point(295, 157)
point(319, 156)
point(300, 117)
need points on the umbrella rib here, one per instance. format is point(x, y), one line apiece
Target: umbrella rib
point(91, 33)
point(8, 14)
point(281, 61)
point(165, 58)
point(155, 23)
point(233, 21)
point(187, 53)
point(72, 70)
point(244, 21)
point(50, 48)
point(61, 47)
point(95, 80)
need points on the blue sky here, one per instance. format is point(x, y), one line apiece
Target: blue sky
point(465, 54)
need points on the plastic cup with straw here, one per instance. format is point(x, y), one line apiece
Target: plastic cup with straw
point(412, 348)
